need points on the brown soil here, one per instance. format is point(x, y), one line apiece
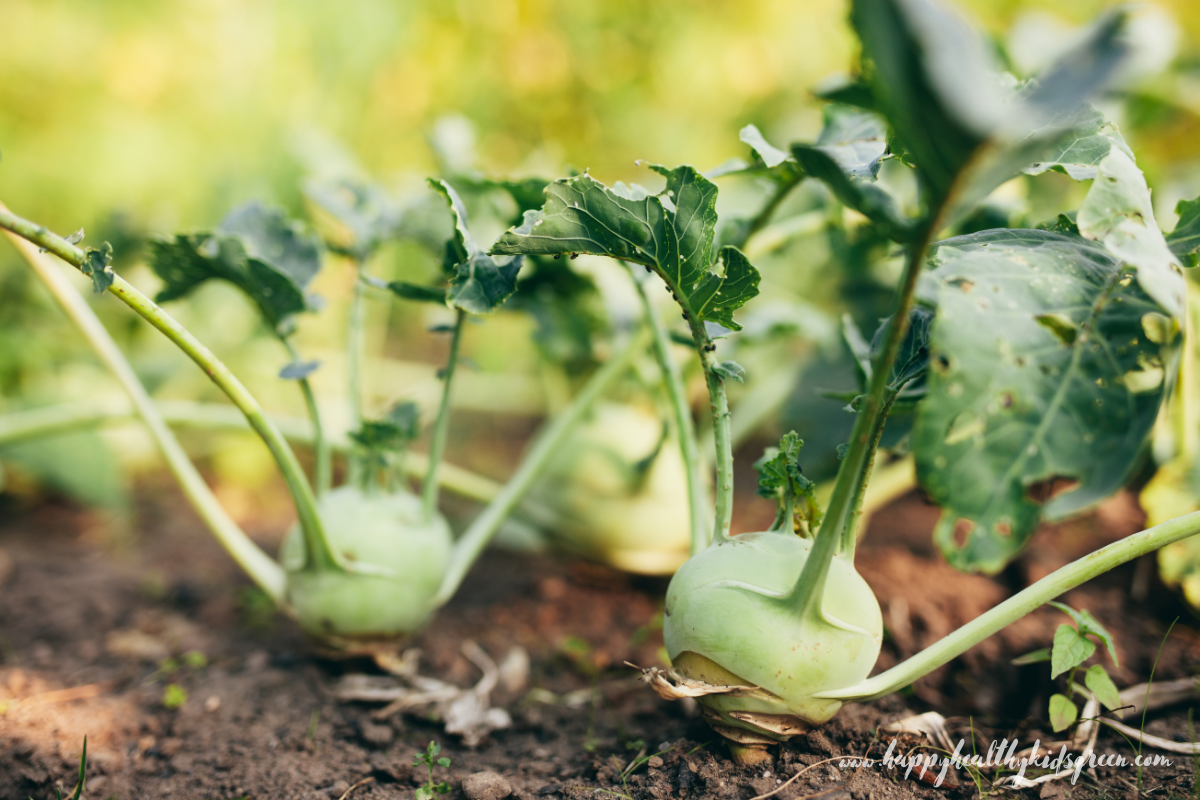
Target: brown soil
point(84, 627)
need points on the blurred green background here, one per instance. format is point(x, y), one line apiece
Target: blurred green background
point(130, 117)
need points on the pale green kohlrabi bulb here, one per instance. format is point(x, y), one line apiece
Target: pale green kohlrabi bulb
point(725, 624)
point(605, 507)
point(385, 530)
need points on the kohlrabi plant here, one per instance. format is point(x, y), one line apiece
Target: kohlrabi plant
point(1036, 359)
point(368, 560)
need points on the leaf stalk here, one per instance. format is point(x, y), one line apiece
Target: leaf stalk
point(441, 425)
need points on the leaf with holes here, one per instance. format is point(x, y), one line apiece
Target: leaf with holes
point(672, 235)
point(1048, 365)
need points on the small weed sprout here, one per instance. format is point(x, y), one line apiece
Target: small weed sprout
point(174, 696)
point(429, 759)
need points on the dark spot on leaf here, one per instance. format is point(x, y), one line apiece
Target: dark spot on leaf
point(1006, 400)
point(1003, 529)
point(962, 531)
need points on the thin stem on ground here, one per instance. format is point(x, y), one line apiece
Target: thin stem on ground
point(319, 552)
point(538, 458)
point(261, 568)
point(1020, 604)
point(685, 427)
point(441, 425)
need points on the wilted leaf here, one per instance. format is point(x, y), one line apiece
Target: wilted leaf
point(97, 265)
point(582, 215)
point(1063, 712)
point(1042, 375)
point(1071, 648)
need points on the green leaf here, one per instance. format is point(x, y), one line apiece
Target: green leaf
point(1033, 657)
point(1117, 211)
point(780, 478)
point(358, 216)
point(393, 433)
point(731, 370)
point(569, 312)
point(912, 360)
point(271, 238)
point(1043, 375)
point(412, 291)
point(480, 283)
point(847, 90)
point(943, 94)
point(1088, 624)
point(1184, 240)
point(769, 154)
point(256, 249)
point(1102, 686)
point(1063, 712)
point(1071, 648)
point(97, 265)
point(298, 370)
point(673, 237)
point(1079, 156)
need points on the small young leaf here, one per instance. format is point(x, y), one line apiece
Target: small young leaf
point(1033, 657)
point(443, 762)
point(1102, 686)
point(731, 370)
point(480, 283)
point(1089, 625)
point(1071, 648)
point(76, 237)
point(779, 477)
point(97, 265)
point(299, 369)
point(1063, 712)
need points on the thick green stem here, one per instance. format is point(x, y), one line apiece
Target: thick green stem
point(441, 426)
point(685, 427)
point(850, 531)
point(258, 565)
point(320, 554)
point(810, 586)
point(546, 446)
point(324, 467)
point(719, 405)
point(1020, 604)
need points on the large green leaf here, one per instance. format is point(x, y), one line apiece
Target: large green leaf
point(671, 234)
point(1048, 366)
point(965, 126)
point(256, 248)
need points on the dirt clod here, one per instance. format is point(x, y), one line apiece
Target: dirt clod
point(486, 786)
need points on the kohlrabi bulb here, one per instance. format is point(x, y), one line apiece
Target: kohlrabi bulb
point(726, 624)
point(385, 530)
point(612, 504)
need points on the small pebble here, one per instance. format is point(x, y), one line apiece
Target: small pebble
point(338, 789)
point(212, 703)
point(486, 786)
point(655, 762)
